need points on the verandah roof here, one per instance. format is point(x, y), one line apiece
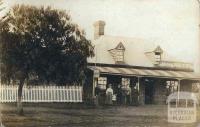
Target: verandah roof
point(146, 72)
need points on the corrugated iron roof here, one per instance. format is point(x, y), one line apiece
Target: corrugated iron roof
point(146, 72)
point(135, 51)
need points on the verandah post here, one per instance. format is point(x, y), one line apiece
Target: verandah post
point(140, 91)
point(138, 88)
point(177, 103)
point(178, 90)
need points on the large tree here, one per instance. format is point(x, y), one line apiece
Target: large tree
point(42, 44)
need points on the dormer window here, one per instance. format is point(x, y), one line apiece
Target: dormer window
point(118, 53)
point(158, 55)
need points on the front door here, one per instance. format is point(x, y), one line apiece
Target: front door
point(149, 91)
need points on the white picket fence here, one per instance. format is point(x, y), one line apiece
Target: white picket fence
point(8, 93)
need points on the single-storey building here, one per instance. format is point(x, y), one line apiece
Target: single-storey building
point(138, 70)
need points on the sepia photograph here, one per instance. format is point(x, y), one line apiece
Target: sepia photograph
point(99, 63)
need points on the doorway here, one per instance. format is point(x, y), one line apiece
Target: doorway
point(149, 91)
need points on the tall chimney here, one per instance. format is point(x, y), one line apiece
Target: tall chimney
point(98, 28)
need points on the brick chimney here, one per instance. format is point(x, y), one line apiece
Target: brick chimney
point(98, 28)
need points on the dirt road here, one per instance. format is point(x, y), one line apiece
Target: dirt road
point(57, 116)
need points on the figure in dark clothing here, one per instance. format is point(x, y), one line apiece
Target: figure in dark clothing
point(119, 94)
point(97, 95)
point(135, 95)
point(128, 96)
point(97, 91)
point(123, 96)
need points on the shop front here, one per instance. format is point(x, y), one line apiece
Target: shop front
point(138, 85)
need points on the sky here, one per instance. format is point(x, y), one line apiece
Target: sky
point(173, 24)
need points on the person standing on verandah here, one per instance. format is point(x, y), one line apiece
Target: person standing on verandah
point(109, 94)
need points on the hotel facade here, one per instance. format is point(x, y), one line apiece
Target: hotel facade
point(144, 68)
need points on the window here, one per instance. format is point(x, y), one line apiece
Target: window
point(157, 56)
point(158, 53)
point(102, 81)
point(172, 86)
point(196, 87)
point(119, 55)
point(125, 82)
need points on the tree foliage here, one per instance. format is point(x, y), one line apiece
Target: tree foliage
point(42, 44)
point(1, 5)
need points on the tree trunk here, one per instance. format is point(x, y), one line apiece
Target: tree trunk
point(19, 100)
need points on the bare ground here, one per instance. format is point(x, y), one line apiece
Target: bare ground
point(54, 115)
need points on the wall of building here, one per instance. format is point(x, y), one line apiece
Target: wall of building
point(186, 85)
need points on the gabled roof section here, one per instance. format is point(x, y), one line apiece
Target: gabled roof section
point(118, 53)
point(158, 50)
point(165, 56)
point(120, 46)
